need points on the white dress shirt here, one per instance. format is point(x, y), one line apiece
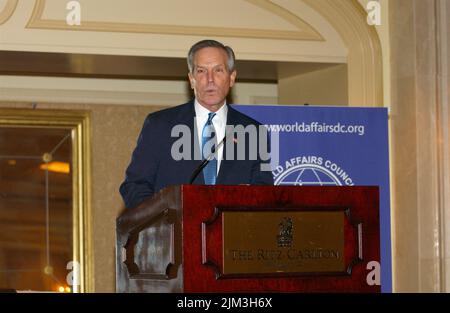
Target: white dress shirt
point(219, 121)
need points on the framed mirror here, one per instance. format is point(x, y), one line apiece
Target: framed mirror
point(45, 232)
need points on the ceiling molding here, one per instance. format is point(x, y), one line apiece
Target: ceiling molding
point(304, 27)
point(305, 31)
point(8, 11)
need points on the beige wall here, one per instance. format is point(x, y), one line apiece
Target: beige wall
point(420, 52)
point(320, 85)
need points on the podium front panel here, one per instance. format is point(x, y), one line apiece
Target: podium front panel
point(335, 234)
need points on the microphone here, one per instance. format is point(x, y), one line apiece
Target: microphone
point(206, 161)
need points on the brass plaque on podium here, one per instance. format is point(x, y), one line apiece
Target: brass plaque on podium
point(271, 242)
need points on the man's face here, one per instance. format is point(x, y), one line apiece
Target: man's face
point(210, 78)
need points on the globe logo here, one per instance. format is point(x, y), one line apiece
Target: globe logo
point(307, 175)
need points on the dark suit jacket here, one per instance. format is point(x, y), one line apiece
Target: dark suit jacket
point(152, 167)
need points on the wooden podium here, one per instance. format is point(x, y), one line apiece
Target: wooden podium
point(195, 238)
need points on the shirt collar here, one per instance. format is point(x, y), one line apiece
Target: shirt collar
point(202, 113)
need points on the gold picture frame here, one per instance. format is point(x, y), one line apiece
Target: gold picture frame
point(79, 124)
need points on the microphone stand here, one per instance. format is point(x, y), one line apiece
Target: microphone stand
point(206, 161)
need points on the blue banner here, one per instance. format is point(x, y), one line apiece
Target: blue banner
point(335, 146)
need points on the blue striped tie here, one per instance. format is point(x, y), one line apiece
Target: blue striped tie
point(209, 135)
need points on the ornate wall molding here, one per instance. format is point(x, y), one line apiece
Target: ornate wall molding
point(8, 11)
point(305, 31)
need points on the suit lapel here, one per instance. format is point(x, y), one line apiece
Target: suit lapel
point(227, 165)
point(188, 118)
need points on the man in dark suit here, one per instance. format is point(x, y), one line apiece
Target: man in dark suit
point(161, 159)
